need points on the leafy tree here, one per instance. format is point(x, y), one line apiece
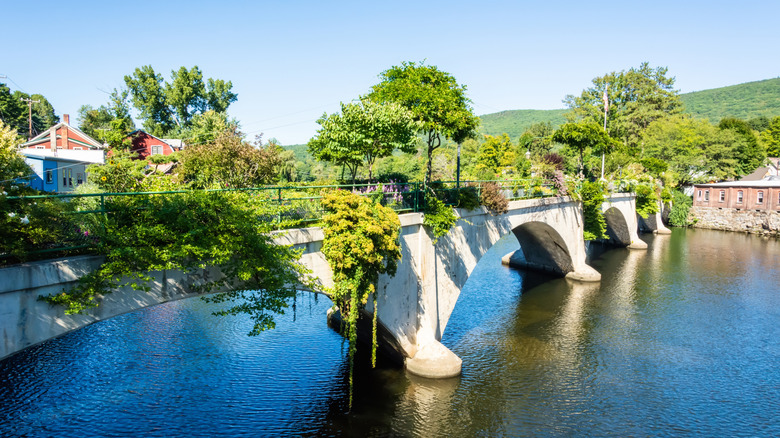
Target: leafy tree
point(109, 123)
point(12, 165)
point(537, 139)
point(363, 132)
point(147, 91)
point(205, 127)
point(496, 154)
point(584, 136)
point(229, 162)
point(166, 105)
point(436, 101)
point(749, 152)
point(14, 112)
point(771, 138)
point(695, 149)
point(637, 97)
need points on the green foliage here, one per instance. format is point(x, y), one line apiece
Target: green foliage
point(748, 152)
point(437, 102)
point(189, 231)
point(637, 97)
point(694, 149)
point(496, 157)
point(120, 174)
point(646, 200)
point(592, 196)
point(361, 242)
point(518, 123)
point(771, 138)
point(229, 162)
point(492, 198)
point(681, 205)
point(165, 106)
point(14, 112)
point(12, 165)
point(744, 101)
point(468, 197)
point(537, 139)
point(438, 216)
point(655, 166)
point(109, 123)
point(584, 136)
point(666, 195)
point(364, 132)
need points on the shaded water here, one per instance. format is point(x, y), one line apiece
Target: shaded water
point(680, 340)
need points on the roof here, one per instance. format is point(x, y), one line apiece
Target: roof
point(175, 143)
point(45, 135)
point(757, 174)
point(766, 183)
point(83, 159)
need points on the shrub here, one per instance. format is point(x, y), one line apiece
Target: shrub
point(681, 205)
point(493, 198)
point(646, 200)
point(592, 196)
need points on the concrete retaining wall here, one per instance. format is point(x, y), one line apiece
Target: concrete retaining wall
point(729, 219)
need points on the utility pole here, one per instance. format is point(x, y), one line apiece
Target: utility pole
point(29, 115)
point(605, 98)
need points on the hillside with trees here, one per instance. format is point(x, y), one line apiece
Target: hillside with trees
point(744, 101)
point(748, 101)
point(515, 122)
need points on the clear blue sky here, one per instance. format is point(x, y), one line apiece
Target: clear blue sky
point(290, 61)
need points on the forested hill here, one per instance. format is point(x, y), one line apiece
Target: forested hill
point(515, 122)
point(743, 101)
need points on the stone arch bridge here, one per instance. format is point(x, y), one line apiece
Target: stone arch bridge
point(414, 305)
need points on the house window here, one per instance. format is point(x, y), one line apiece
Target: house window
point(706, 195)
point(739, 197)
point(722, 195)
point(40, 147)
point(157, 150)
point(698, 196)
point(760, 198)
point(79, 178)
point(77, 148)
point(49, 177)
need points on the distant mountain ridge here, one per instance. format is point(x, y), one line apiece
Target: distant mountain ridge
point(743, 101)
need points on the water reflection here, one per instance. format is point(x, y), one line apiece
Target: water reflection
point(680, 340)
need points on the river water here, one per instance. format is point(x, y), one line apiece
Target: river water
point(680, 340)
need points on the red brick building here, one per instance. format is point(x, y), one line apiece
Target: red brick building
point(739, 195)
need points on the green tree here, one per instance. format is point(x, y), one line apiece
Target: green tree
point(637, 97)
point(109, 123)
point(771, 138)
point(695, 149)
point(205, 127)
point(186, 93)
point(12, 165)
point(435, 99)
point(749, 152)
point(363, 132)
point(229, 162)
point(14, 112)
point(165, 106)
point(496, 155)
point(147, 91)
point(537, 139)
point(584, 136)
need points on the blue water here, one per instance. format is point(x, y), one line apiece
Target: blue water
point(680, 340)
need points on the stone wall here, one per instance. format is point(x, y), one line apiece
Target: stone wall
point(750, 221)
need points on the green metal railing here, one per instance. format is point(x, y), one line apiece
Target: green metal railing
point(297, 205)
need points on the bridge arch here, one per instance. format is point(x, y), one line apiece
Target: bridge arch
point(542, 248)
point(618, 233)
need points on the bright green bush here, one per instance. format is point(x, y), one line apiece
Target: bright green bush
point(681, 205)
